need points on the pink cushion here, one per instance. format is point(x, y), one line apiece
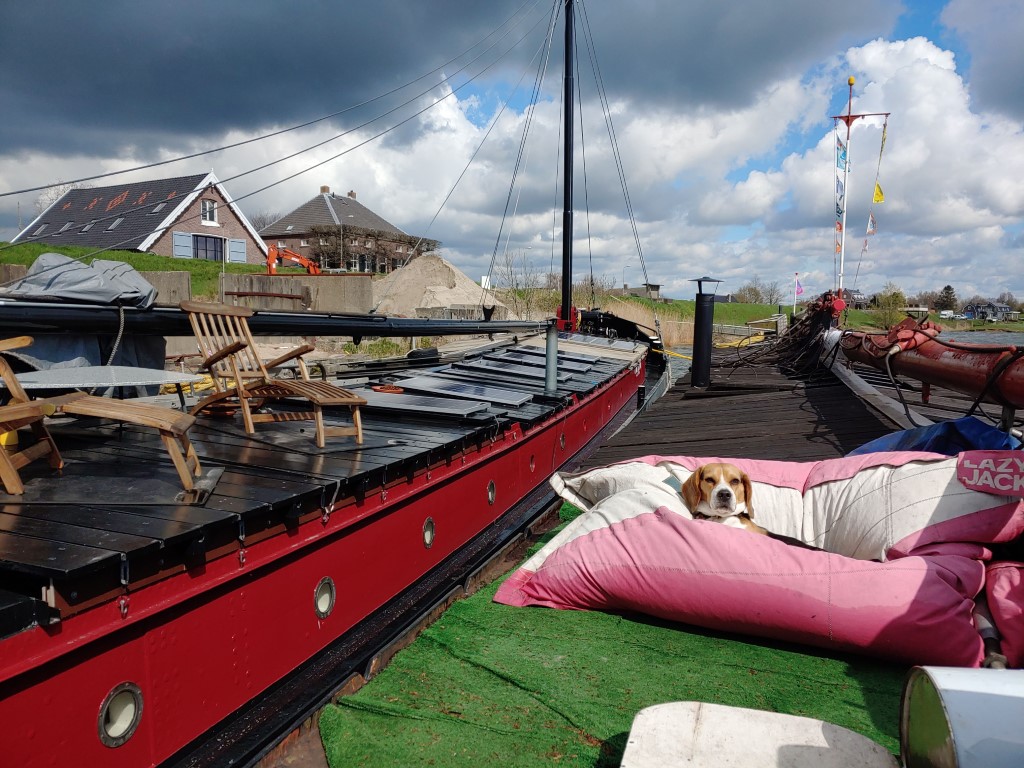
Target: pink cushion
point(1004, 588)
point(914, 609)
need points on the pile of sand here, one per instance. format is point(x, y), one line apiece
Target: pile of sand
point(427, 281)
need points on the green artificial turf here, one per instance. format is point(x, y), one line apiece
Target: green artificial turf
point(493, 684)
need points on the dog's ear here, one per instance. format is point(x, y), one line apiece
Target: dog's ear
point(748, 494)
point(690, 490)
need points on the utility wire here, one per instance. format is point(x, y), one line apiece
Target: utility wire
point(291, 128)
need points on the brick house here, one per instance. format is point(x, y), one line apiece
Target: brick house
point(342, 234)
point(189, 217)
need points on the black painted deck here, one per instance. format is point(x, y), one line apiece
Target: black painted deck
point(753, 411)
point(114, 518)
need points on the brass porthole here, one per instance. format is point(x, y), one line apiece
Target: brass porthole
point(428, 532)
point(324, 597)
point(120, 714)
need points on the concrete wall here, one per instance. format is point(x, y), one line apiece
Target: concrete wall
point(315, 293)
point(172, 288)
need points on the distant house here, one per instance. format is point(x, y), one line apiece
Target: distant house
point(646, 290)
point(855, 298)
point(990, 309)
point(343, 234)
point(189, 217)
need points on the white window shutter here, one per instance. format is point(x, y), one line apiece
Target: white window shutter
point(181, 245)
point(236, 251)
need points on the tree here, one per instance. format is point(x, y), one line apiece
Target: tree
point(926, 299)
point(520, 281)
point(946, 299)
point(52, 194)
point(263, 219)
point(1008, 298)
point(751, 293)
point(891, 302)
point(772, 293)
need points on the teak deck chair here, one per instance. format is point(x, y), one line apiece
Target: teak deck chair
point(241, 379)
point(22, 411)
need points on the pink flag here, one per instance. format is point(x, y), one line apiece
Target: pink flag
point(799, 288)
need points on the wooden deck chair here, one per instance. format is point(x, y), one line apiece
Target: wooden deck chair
point(241, 380)
point(21, 411)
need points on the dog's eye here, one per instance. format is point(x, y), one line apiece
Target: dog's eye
point(734, 481)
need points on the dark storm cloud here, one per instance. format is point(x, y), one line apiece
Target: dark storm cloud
point(90, 77)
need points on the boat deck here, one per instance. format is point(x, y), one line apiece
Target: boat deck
point(753, 411)
point(116, 516)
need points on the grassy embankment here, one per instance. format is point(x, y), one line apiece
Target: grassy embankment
point(676, 317)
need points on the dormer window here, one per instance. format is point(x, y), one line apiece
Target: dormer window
point(209, 211)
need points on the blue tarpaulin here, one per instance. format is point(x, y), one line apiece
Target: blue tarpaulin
point(947, 437)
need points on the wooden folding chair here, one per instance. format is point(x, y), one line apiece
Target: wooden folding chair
point(22, 411)
point(241, 379)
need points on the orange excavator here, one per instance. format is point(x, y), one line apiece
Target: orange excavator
point(275, 254)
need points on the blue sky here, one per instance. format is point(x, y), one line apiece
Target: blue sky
point(721, 114)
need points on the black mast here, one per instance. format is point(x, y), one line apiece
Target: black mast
point(565, 312)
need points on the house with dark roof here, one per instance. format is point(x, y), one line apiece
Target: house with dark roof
point(188, 217)
point(342, 234)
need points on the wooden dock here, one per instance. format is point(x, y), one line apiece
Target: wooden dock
point(752, 411)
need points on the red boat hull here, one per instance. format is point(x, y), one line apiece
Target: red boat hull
point(201, 644)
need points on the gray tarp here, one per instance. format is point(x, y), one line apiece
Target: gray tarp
point(55, 277)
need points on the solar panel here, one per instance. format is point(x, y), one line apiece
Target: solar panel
point(466, 390)
point(509, 369)
point(422, 403)
point(598, 341)
point(562, 356)
point(538, 360)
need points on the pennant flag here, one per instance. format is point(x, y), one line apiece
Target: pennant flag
point(839, 247)
point(799, 288)
point(872, 228)
point(879, 197)
point(840, 153)
point(839, 226)
point(840, 189)
point(839, 210)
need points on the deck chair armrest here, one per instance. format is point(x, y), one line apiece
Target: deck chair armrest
point(16, 343)
point(220, 354)
point(291, 355)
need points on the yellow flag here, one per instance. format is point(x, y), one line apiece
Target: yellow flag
point(879, 197)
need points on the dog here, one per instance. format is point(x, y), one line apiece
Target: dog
point(722, 493)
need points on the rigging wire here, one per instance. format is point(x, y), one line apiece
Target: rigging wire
point(603, 96)
point(494, 122)
point(300, 125)
point(586, 193)
point(376, 136)
point(538, 81)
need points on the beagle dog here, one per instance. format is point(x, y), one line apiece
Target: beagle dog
point(722, 493)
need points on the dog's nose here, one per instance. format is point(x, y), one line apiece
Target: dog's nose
point(724, 494)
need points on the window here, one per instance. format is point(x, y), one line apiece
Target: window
point(88, 226)
point(369, 243)
point(400, 249)
point(66, 227)
point(40, 230)
point(290, 227)
point(209, 211)
point(281, 244)
point(303, 243)
point(159, 207)
point(208, 248)
point(115, 223)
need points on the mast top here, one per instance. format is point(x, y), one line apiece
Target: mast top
point(851, 81)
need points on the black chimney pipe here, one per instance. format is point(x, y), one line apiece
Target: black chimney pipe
point(703, 321)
